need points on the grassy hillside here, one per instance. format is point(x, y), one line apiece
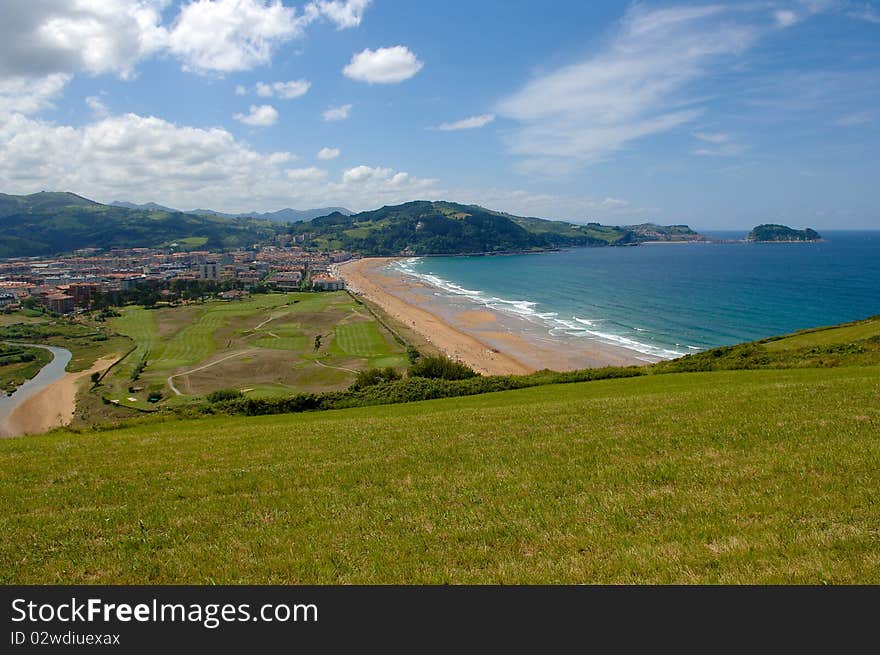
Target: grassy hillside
point(732, 476)
point(50, 223)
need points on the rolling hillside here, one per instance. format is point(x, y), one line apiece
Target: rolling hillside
point(424, 227)
point(49, 223)
point(732, 476)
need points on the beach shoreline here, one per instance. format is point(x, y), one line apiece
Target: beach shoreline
point(488, 341)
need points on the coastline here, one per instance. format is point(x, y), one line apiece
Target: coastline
point(486, 340)
point(52, 407)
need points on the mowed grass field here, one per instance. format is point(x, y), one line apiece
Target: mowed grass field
point(769, 476)
point(264, 344)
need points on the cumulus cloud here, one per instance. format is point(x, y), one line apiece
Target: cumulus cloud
point(43, 37)
point(283, 90)
point(344, 14)
point(336, 113)
point(39, 38)
point(240, 90)
point(259, 116)
point(145, 158)
point(28, 95)
point(232, 35)
point(383, 66)
point(326, 154)
point(471, 123)
point(635, 87)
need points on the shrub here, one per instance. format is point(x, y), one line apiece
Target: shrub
point(373, 376)
point(224, 394)
point(441, 368)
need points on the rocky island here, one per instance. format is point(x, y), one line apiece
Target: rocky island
point(771, 233)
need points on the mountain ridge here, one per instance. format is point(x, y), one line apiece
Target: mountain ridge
point(51, 223)
point(286, 215)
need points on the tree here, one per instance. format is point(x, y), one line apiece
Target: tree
point(317, 342)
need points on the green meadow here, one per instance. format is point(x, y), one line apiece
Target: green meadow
point(726, 476)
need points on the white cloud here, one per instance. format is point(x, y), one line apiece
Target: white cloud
point(284, 90)
point(336, 113)
point(44, 41)
point(344, 14)
point(235, 35)
point(720, 144)
point(39, 38)
point(636, 86)
point(259, 116)
point(311, 174)
point(99, 109)
point(467, 123)
point(150, 159)
point(786, 17)
point(240, 90)
point(326, 154)
point(232, 35)
point(383, 66)
point(30, 95)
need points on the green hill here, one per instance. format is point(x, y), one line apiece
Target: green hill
point(727, 476)
point(50, 223)
point(423, 227)
point(771, 232)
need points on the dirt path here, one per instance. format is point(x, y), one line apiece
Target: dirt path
point(338, 368)
point(200, 368)
point(53, 406)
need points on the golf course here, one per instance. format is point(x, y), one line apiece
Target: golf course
point(266, 345)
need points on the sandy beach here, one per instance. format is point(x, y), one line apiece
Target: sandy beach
point(52, 407)
point(485, 340)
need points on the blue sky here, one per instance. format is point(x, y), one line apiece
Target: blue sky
point(719, 115)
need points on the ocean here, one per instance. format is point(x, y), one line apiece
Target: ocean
point(667, 300)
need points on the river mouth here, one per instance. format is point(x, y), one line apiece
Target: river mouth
point(51, 372)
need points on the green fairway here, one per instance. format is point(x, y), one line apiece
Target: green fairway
point(360, 339)
point(725, 477)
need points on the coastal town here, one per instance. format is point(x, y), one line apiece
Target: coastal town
point(63, 285)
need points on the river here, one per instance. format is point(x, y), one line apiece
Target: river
point(50, 373)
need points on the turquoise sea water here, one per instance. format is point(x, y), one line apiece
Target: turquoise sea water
point(667, 300)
